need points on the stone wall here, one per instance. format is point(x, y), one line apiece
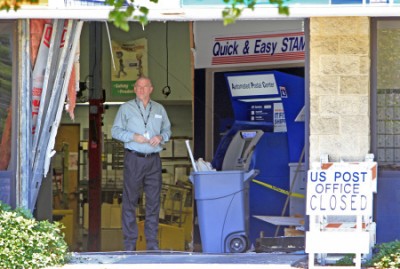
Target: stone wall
point(339, 88)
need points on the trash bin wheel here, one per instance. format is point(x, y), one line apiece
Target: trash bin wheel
point(237, 244)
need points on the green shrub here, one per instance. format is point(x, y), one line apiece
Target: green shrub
point(348, 259)
point(27, 243)
point(387, 255)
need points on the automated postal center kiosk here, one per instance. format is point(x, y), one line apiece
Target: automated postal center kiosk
point(272, 102)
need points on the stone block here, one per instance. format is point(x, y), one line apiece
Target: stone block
point(314, 105)
point(354, 85)
point(325, 85)
point(325, 125)
point(354, 125)
point(355, 44)
point(322, 45)
point(344, 105)
point(340, 65)
point(365, 65)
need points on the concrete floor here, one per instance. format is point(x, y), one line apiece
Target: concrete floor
point(177, 260)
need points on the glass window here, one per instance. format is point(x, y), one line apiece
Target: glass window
point(5, 96)
point(386, 134)
point(7, 115)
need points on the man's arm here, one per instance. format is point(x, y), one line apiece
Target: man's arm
point(165, 131)
point(118, 130)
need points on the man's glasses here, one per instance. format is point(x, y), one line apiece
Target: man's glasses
point(142, 87)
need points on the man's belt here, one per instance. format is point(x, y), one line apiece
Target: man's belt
point(142, 155)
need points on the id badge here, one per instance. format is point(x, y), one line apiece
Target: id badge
point(146, 135)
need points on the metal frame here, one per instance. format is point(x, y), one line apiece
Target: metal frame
point(54, 92)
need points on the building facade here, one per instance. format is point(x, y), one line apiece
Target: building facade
point(351, 91)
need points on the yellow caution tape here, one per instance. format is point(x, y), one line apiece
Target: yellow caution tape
point(293, 194)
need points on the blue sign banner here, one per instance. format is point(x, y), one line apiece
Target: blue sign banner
point(88, 3)
point(214, 3)
point(222, 3)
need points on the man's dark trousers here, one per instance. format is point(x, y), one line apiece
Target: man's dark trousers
point(141, 172)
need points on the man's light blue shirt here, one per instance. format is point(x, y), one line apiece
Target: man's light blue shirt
point(131, 119)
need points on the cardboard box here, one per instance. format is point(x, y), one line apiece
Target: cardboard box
point(180, 150)
point(167, 178)
point(169, 237)
point(167, 151)
point(66, 217)
point(181, 172)
point(292, 232)
point(110, 216)
point(111, 240)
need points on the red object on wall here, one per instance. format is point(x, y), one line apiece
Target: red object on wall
point(5, 143)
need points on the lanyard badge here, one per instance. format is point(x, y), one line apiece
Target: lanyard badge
point(146, 135)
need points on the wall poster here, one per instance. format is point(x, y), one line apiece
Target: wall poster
point(130, 63)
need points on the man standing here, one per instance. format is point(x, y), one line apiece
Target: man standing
point(142, 125)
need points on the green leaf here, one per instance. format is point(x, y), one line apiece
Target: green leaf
point(283, 10)
point(144, 10)
point(129, 11)
point(142, 19)
point(230, 14)
point(251, 5)
point(124, 26)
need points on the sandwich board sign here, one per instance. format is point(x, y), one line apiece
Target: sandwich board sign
point(341, 189)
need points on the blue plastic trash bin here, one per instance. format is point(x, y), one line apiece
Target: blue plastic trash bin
point(222, 209)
